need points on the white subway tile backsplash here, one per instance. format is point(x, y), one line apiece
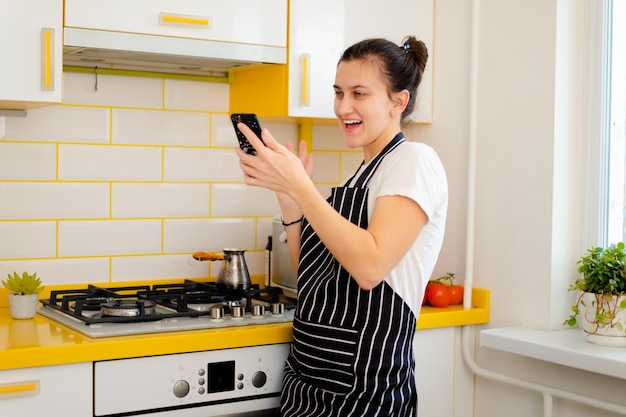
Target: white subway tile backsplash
point(257, 263)
point(61, 271)
point(28, 239)
point(208, 235)
point(328, 138)
point(25, 161)
point(155, 127)
point(60, 124)
point(112, 90)
point(109, 237)
point(264, 229)
point(40, 200)
point(242, 200)
point(222, 131)
point(110, 163)
point(198, 164)
point(159, 200)
point(196, 95)
point(327, 167)
point(283, 132)
point(153, 268)
point(125, 182)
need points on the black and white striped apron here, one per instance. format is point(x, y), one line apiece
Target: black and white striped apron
point(352, 353)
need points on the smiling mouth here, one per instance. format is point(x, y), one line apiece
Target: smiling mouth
point(352, 123)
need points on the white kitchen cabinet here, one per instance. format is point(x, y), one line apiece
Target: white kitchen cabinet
point(434, 371)
point(31, 70)
point(244, 21)
point(196, 37)
point(53, 391)
point(318, 33)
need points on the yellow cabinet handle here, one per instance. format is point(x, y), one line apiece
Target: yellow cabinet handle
point(47, 59)
point(19, 389)
point(305, 63)
point(180, 19)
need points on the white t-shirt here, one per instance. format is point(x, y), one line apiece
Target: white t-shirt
point(415, 171)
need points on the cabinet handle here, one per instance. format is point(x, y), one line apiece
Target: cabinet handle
point(19, 389)
point(180, 19)
point(305, 63)
point(47, 59)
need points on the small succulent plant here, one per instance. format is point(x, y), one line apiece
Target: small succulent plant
point(24, 285)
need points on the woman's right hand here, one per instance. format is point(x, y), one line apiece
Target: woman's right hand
point(275, 167)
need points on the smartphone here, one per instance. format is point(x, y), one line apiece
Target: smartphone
point(250, 120)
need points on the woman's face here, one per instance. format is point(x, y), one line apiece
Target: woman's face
point(367, 115)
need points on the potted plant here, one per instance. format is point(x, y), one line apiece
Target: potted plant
point(600, 304)
point(23, 295)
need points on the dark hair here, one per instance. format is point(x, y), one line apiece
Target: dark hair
point(403, 66)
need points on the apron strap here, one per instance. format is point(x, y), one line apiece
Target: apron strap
point(371, 168)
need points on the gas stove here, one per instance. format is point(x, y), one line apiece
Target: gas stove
point(190, 305)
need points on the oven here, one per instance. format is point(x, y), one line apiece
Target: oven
point(242, 381)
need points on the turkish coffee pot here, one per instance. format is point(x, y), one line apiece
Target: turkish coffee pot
point(234, 273)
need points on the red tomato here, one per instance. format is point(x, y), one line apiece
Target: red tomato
point(456, 294)
point(438, 295)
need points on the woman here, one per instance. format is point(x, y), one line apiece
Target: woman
point(364, 256)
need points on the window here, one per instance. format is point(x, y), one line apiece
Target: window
point(616, 119)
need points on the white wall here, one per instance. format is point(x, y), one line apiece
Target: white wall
point(529, 209)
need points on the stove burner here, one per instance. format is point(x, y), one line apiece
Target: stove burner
point(126, 307)
point(90, 303)
point(145, 303)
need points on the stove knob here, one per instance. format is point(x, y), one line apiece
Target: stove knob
point(278, 308)
point(181, 389)
point(258, 310)
point(216, 312)
point(259, 379)
point(237, 311)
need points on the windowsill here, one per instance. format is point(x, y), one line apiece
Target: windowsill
point(566, 347)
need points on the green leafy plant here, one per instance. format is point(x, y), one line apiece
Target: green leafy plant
point(603, 273)
point(24, 285)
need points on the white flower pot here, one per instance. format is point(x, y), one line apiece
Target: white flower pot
point(23, 306)
point(610, 331)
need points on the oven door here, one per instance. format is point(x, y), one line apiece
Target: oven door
point(242, 381)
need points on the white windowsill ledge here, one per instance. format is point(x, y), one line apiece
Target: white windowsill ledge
point(566, 347)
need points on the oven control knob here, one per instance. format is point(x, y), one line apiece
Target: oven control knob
point(237, 311)
point(278, 308)
point(181, 388)
point(216, 312)
point(258, 310)
point(259, 379)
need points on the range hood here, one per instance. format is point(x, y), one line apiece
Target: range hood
point(141, 52)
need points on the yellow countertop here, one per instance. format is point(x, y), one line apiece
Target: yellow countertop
point(41, 341)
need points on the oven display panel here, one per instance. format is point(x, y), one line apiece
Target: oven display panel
point(221, 377)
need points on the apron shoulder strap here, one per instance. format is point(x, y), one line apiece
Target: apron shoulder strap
point(371, 168)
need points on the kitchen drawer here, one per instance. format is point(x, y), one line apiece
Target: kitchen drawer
point(262, 22)
point(53, 391)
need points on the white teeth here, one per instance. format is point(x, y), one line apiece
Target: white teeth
point(352, 122)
